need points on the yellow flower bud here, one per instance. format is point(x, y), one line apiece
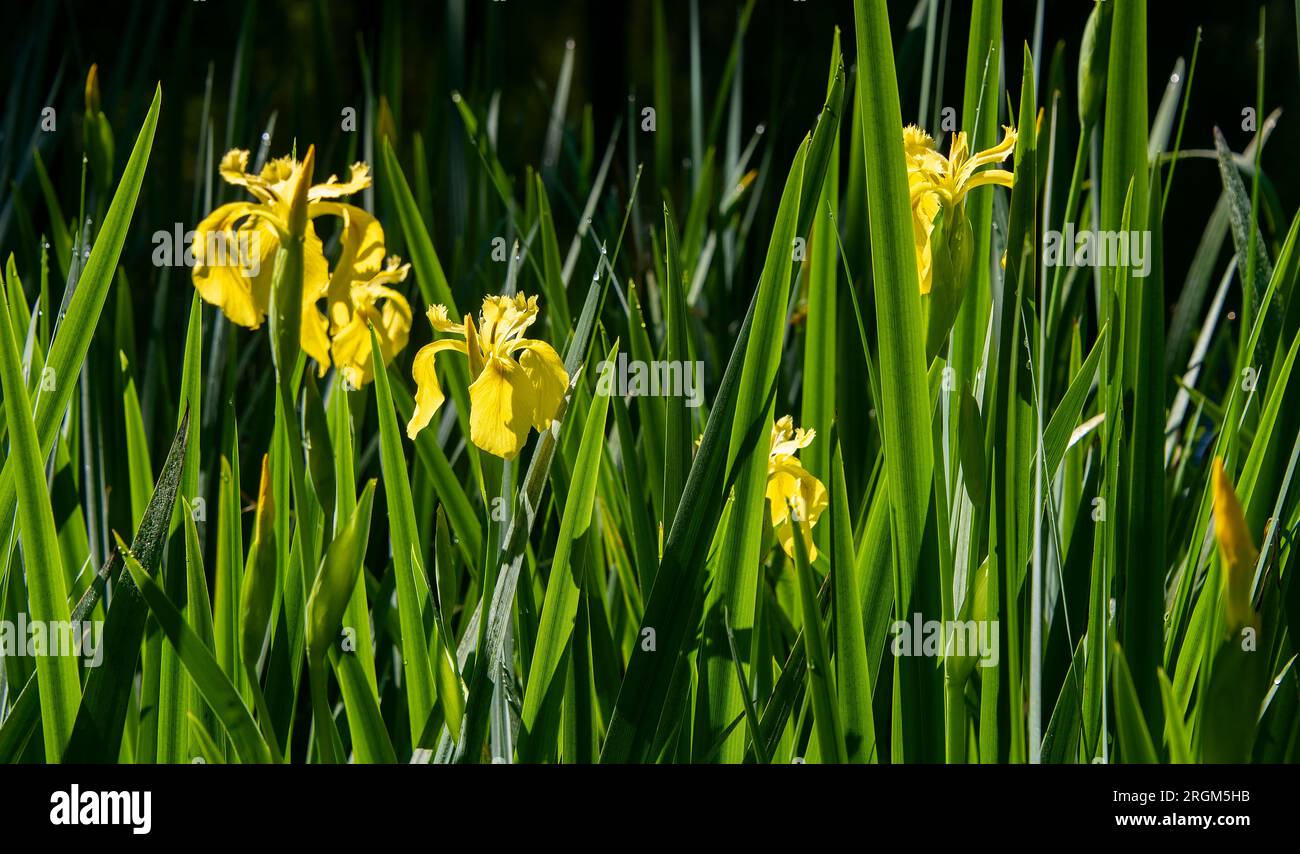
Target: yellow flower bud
point(92, 90)
point(1237, 552)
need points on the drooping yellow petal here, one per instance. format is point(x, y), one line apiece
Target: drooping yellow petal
point(373, 304)
point(1237, 552)
point(361, 258)
point(314, 332)
point(394, 319)
point(793, 486)
point(925, 207)
point(545, 370)
point(229, 245)
point(428, 393)
point(502, 403)
point(362, 240)
point(314, 337)
point(790, 484)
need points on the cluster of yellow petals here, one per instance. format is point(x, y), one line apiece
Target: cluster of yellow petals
point(516, 383)
point(935, 182)
point(358, 290)
point(790, 485)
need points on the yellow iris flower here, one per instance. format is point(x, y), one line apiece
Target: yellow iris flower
point(788, 481)
point(370, 303)
point(935, 182)
point(1237, 552)
point(352, 291)
point(508, 393)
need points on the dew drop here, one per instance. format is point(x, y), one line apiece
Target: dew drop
point(266, 137)
point(570, 44)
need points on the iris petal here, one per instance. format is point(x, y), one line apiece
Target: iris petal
point(358, 180)
point(361, 257)
point(315, 282)
point(428, 393)
point(502, 403)
point(350, 347)
point(234, 170)
point(935, 181)
point(220, 274)
point(546, 372)
point(790, 484)
point(793, 485)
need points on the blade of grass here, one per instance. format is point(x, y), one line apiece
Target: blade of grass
point(330, 593)
point(751, 714)
point(825, 703)
point(199, 663)
point(677, 418)
point(412, 587)
point(57, 676)
point(560, 608)
point(853, 681)
point(72, 338)
point(1135, 745)
point(904, 412)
